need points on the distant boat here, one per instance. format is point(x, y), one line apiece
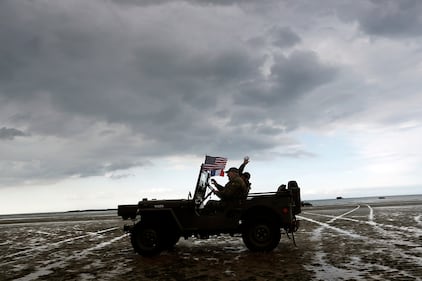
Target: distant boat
point(339, 197)
point(306, 204)
point(381, 197)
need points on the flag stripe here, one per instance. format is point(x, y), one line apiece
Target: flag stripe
point(214, 163)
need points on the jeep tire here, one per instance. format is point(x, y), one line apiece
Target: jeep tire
point(146, 239)
point(261, 234)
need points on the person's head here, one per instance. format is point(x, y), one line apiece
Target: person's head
point(232, 172)
point(246, 175)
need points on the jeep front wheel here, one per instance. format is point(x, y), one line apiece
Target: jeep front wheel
point(146, 239)
point(261, 234)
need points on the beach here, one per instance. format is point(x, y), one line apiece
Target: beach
point(350, 241)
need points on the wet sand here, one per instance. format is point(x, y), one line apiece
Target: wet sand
point(349, 242)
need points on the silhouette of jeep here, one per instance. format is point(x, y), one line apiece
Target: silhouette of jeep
point(157, 225)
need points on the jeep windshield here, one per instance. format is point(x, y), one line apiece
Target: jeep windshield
point(201, 187)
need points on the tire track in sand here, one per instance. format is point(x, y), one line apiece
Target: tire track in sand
point(46, 270)
point(50, 246)
point(354, 269)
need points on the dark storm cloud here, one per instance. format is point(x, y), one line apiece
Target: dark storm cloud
point(291, 77)
point(300, 72)
point(69, 74)
point(387, 18)
point(110, 85)
point(10, 133)
point(284, 37)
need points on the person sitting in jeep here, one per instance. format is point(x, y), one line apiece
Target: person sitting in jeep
point(235, 189)
point(245, 175)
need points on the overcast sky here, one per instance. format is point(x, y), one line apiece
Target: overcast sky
point(107, 102)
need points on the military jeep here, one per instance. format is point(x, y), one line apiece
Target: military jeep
point(157, 225)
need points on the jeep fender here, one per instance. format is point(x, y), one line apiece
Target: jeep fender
point(165, 218)
point(260, 211)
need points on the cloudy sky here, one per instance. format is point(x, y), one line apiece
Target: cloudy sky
point(106, 102)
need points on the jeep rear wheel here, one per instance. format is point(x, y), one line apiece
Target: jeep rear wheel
point(146, 239)
point(261, 234)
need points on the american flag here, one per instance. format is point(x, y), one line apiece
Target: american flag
point(214, 163)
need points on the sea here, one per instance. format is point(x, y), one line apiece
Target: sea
point(71, 216)
point(367, 200)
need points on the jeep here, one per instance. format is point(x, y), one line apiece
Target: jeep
point(157, 225)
